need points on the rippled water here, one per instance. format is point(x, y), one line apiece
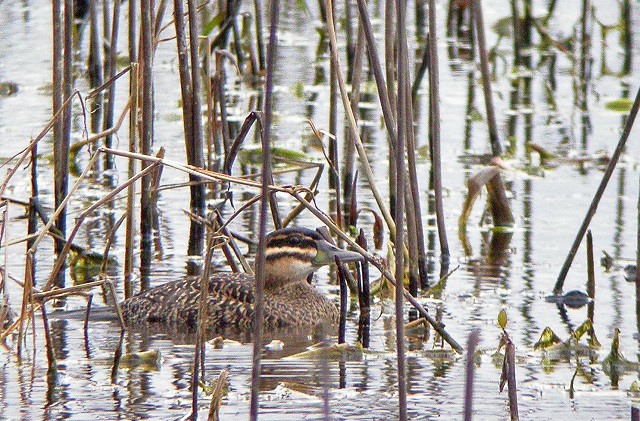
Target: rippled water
point(548, 209)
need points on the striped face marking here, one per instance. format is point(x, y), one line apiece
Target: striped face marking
point(291, 248)
point(290, 255)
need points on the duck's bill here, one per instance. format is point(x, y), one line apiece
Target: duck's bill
point(327, 254)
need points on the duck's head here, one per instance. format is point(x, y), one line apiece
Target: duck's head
point(292, 254)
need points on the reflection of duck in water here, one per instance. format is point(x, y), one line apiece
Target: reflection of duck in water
point(291, 255)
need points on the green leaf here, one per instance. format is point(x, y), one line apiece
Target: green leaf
point(217, 20)
point(547, 339)
point(298, 90)
point(622, 105)
point(254, 155)
point(502, 319)
point(582, 329)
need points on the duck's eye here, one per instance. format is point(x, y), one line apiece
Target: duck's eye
point(295, 240)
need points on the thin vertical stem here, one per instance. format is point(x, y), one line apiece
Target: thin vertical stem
point(517, 38)
point(472, 343)
point(146, 139)
point(390, 67)
point(434, 112)
point(353, 128)
point(400, 179)
point(197, 189)
point(476, 7)
point(51, 356)
point(638, 265)
point(202, 327)
point(596, 199)
point(591, 277)
point(627, 37)
point(110, 71)
point(510, 360)
point(585, 70)
point(257, 4)
point(349, 145)
point(376, 67)
point(264, 201)
point(344, 297)
point(333, 115)
point(95, 67)
point(131, 190)
point(31, 229)
point(364, 296)
point(132, 35)
point(57, 98)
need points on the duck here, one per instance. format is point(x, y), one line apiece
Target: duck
point(291, 255)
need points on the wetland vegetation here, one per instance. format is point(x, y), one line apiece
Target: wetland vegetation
point(148, 141)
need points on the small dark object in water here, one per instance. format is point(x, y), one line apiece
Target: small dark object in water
point(291, 255)
point(8, 88)
point(572, 299)
point(607, 261)
point(630, 272)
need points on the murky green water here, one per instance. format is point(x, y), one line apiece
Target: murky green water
point(548, 209)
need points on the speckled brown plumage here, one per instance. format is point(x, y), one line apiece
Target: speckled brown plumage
point(291, 255)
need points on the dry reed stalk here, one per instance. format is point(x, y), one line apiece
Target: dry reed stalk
point(61, 143)
point(219, 392)
point(106, 133)
point(376, 67)
point(404, 119)
point(130, 230)
point(627, 37)
point(213, 148)
point(295, 192)
point(591, 281)
point(51, 356)
point(265, 194)
point(353, 128)
point(494, 139)
point(29, 149)
point(220, 100)
point(60, 260)
point(434, 113)
point(110, 237)
point(4, 306)
point(27, 301)
point(110, 71)
point(146, 137)
point(557, 289)
point(333, 115)
point(37, 298)
point(364, 295)
point(202, 173)
point(231, 246)
point(199, 351)
point(192, 116)
point(257, 4)
point(472, 343)
point(349, 146)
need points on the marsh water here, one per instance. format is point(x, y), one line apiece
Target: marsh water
point(515, 272)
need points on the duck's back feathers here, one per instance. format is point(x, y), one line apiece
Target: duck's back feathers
point(230, 303)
